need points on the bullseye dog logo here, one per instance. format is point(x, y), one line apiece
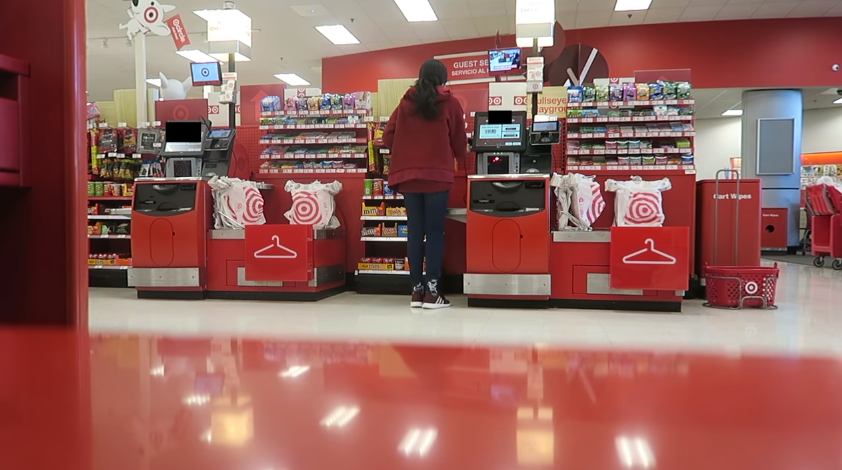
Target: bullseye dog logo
point(147, 16)
point(305, 208)
point(644, 209)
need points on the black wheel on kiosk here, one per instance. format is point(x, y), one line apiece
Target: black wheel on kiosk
point(837, 264)
point(819, 261)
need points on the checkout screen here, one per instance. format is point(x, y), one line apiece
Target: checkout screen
point(500, 135)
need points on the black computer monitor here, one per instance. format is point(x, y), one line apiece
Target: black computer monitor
point(184, 131)
point(500, 130)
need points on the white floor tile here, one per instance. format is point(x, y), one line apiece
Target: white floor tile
point(806, 322)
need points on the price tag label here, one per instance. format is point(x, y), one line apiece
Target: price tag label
point(122, 125)
point(384, 118)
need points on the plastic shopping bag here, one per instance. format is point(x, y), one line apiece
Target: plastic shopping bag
point(313, 204)
point(638, 203)
point(580, 201)
point(236, 203)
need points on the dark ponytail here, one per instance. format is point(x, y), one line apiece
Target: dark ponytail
point(433, 74)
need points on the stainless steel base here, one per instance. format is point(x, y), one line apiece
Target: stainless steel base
point(508, 284)
point(164, 277)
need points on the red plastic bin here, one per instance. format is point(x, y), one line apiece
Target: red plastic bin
point(741, 286)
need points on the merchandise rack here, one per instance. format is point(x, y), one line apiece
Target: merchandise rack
point(382, 281)
point(315, 149)
point(663, 133)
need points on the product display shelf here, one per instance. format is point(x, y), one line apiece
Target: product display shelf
point(315, 145)
point(652, 136)
point(109, 240)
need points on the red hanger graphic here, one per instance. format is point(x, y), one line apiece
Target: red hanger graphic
point(287, 253)
point(639, 257)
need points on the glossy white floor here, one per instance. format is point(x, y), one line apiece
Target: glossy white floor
point(808, 321)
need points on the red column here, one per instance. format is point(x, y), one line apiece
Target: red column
point(42, 235)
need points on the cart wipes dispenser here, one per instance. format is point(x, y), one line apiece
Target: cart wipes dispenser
point(638, 203)
point(313, 204)
point(236, 203)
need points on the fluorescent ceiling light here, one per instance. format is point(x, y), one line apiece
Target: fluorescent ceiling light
point(632, 5)
point(294, 372)
point(417, 10)
point(839, 101)
point(224, 57)
point(340, 417)
point(525, 42)
point(291, 79)
point(195, 55)
point(733, 112)
point(337, 34)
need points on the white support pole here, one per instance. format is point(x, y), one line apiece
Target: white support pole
point(140, 77)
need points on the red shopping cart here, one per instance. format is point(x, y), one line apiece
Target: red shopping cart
point(735, 287)
point(824, 205)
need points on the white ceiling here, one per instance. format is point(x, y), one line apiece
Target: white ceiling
point(285, 41)
point(712, 102)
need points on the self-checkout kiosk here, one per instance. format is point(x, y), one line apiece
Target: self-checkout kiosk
point(508, 220)
point(171, 216)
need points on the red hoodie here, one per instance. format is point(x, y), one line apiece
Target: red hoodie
point(423, 151)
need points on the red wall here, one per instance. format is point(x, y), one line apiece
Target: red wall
point(794, 52)
point(43, 240)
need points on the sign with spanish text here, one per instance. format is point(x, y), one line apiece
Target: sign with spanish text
point(467, 67)
point(650, 258)
point(553, 101)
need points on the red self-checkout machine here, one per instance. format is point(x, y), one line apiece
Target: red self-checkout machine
point(178, 254)
point(517, 257)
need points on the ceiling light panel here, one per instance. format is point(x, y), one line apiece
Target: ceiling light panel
point(733, 112)
point(839, 101)
point(417, 10)
point(337, 34)
point(632, 5)
point(195, 55)
point(292, 79)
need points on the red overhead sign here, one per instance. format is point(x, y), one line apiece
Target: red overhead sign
point(470, 66)
point(178, 32)
point(650, 258)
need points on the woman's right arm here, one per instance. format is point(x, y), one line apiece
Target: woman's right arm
point(389, 133)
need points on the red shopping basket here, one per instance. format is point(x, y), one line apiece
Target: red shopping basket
point(736, 287)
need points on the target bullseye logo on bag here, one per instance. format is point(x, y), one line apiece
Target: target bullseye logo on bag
point(306, 209)
point(650, 258)
point(644, 209)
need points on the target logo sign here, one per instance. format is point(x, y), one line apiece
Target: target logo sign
point(253, 206)
point(495, 101)
point(650, 258)
point(280, 253)
point(306, 208)
point(213, 109)
point(151, 15)
point(521, 100)
point(644, 209)
point(180, 113)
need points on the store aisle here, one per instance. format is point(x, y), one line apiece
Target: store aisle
point(804, 323)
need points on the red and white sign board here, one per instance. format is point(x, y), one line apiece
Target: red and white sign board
point(507, 96)
point(650, 258)
point(178, 32)
point(278, 253)
point(468, 66)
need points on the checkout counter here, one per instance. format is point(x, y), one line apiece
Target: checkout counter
point(508, 213)
point(177, 253)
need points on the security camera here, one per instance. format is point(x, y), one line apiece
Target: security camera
point(835, 67)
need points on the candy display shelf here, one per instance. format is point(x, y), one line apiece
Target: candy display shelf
point(617, 104)
point(383, 198)
point(384, 239)
point(110, 198)
point(279, 127)
point(626, 119)
point(384, 217)
point(316, 113)
point(114, 237)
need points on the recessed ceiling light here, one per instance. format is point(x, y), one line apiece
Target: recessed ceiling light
point(155, 82)
point(839, 101)
point(632, 5)
point(733, 112)
point(417, 10)
point(195, 55)
point(337, 34)
point(291, 79)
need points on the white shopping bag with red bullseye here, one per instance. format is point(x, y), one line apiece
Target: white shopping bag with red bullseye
point(313, 204)
point(580, 201)
point(638, 203)
point(236, 203)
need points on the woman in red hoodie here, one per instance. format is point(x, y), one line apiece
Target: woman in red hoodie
point(425, 135)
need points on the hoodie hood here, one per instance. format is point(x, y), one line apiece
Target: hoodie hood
point(444, 94)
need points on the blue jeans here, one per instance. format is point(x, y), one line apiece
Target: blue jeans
point(426, 214)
